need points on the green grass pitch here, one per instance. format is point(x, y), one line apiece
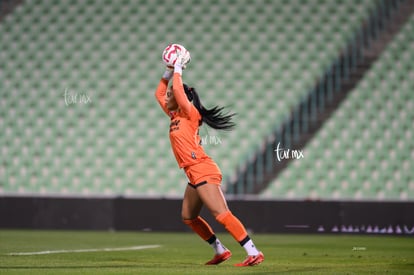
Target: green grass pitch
point(101, 252)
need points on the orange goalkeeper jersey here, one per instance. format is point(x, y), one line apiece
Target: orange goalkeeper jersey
point(184, 137)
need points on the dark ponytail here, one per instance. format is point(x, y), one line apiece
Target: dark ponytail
point(214, 117)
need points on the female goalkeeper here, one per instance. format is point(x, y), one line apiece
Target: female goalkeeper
point(182, 104)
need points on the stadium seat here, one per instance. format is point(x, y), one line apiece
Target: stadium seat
point(259, 58)
point(364, 150)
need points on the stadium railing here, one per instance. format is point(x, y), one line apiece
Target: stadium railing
point(254, 175)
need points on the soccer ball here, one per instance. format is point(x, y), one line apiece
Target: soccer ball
point(169, 55)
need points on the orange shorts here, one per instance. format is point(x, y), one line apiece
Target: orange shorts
point(203, 172)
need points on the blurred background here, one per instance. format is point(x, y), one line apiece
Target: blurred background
point(333, 80)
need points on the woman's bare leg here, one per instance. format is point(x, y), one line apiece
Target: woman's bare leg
point(190, 213)
point(213, 198)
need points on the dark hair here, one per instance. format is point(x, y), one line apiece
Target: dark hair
point(214, 117)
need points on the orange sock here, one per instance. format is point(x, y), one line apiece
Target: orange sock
point(232, 225)
point(201, 227)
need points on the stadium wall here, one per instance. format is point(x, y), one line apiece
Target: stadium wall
point(144, 214)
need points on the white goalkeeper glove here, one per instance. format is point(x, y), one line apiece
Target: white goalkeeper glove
point(183, 58)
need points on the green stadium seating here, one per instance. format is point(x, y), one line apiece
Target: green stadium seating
point(364, 151)
point(257, 57)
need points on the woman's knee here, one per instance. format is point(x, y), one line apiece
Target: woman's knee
point(213, 199)
point(191, 205)
point(188, 215)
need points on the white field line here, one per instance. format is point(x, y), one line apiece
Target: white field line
point(84, 250)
